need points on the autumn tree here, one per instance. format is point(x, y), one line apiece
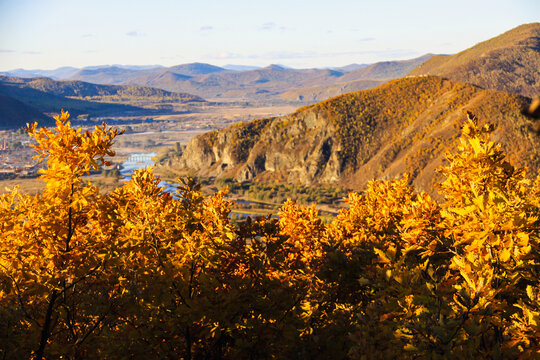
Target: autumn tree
point(55, 293)
point(142, 273)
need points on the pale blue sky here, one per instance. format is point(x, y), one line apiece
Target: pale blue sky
point(46, 34)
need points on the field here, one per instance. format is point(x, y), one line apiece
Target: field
point(158, 134)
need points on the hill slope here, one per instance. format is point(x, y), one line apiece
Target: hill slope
point(274, 80)
point(15, 114)
point(320, 93)
point(195, 69)
point(403, 126)
point(111, 74)
point(50, 103)
point(83, 89)
point(509, 62)
point(387, 69)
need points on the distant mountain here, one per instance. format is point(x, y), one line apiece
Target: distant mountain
point(87, 90)
point(60, 73)
point(137, 67)
point(15, 114)
point(509, 62)
point(279, 82)
point(259, 83)
point(319, 93)
point(50, 103)
point(122, 74)
point(350, 67)
point(22, 73)
point(238, 82)
point(386, 69)
point(405, 125)
point(110, 74)
point(195, 69)
point(163, 80)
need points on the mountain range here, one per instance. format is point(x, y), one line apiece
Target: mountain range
point(81, 89)
point(405, 125)
point(508, 62)
point(236, 82)
point(25, 100)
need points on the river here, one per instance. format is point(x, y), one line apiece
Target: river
point(142, 160)
point(139, 161)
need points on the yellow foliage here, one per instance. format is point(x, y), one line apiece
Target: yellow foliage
point(149, 274)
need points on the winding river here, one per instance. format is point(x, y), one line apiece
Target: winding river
point(139, 161)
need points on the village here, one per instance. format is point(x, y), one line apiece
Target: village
point(16, 156)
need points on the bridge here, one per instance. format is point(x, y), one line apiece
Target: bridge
point(140, 158)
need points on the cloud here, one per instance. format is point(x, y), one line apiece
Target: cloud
point(87, 35)
point(5, 51)
point(134, 34)
point(268, 26)
point(290, 55)
point(366, 39)
point(206, 28)
point(272, 26)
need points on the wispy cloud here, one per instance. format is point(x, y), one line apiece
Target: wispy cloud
point(206, 28)
point(268, 26)
point(134, 34)
point(272, 26)
point(286, 55)
point(6, 51)
point(87, 35)
point(366, 39)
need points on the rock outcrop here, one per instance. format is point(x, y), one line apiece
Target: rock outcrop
point(404, 126)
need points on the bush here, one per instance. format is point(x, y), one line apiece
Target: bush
point(141, 273)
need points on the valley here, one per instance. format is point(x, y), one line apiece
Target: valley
point(162, 134)
point(256, 131)
point(269, 180)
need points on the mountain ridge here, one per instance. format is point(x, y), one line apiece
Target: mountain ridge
point(403, 126)
point(273, 80)
point(75, 88)
point(15, 114)
point(509, 62)
point(238, 82)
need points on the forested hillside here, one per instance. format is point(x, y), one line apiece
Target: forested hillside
point(80, 89)
point(46, 102)
point(509, 62)
point(15, 114)
point(403, 126)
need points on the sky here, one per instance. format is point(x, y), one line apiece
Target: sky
point(47, 34)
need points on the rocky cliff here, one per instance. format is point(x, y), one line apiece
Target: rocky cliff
point(404, 126)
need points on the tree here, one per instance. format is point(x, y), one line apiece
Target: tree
point(150, 274)
point(55, 292)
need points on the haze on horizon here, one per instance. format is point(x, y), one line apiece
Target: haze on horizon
point(54, 33)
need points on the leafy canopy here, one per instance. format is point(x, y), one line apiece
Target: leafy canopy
point(148, 274)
